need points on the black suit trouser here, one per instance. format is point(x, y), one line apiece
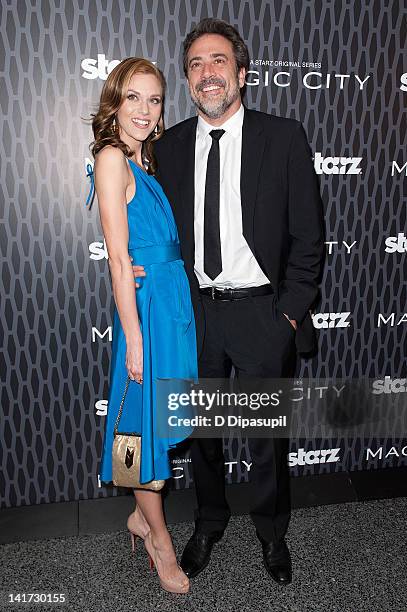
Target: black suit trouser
point(256, 338)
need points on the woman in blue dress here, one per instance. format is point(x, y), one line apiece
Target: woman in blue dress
point(153, 323)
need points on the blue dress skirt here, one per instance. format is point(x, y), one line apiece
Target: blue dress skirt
point(168, 329)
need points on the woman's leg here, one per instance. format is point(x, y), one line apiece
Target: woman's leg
point(149, 504)
point(158, 541)
point(136, 522)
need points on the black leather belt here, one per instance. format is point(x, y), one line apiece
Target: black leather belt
point(226, 295)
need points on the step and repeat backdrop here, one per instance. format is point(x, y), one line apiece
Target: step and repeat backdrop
point(336, 66)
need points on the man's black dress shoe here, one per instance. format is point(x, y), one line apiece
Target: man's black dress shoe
point(197, 552)
point(277, 560)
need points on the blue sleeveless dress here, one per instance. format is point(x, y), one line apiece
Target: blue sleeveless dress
point(167, 324)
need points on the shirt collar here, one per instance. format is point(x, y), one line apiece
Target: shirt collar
point(232, 126)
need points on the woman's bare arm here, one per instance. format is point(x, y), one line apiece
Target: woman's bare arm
point(111, 182)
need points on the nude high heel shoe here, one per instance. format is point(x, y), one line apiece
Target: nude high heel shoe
point(179, 583)
point(137, 528)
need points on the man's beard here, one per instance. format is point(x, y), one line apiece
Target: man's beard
point(217, 108)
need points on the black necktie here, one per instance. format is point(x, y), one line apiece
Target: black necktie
point(212, 250)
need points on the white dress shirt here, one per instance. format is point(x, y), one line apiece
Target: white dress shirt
point(239, 266)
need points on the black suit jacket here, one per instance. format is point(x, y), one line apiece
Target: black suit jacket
point(282, 212)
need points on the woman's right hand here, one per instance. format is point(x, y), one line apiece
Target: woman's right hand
point(134, 359)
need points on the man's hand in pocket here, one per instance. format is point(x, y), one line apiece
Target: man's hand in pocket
point(292, 321)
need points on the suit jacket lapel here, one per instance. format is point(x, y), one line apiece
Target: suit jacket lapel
point(185, 159)
point(253, 143)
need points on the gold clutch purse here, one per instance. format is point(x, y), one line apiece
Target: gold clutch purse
point(126, 456)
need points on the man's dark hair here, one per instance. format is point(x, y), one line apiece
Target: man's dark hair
point(217, 26)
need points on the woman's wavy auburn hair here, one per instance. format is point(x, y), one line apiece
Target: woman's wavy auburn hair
point(105, 128)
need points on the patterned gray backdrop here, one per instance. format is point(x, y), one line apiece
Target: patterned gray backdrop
point(336, 66)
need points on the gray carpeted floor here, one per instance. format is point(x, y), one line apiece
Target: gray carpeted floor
point(346, 558)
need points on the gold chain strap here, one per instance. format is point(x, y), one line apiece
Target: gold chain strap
point(116, 425)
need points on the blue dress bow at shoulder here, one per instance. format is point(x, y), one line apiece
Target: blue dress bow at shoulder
point(91, 195)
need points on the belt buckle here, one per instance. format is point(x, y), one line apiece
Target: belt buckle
point(226, 294)
point(213, 292)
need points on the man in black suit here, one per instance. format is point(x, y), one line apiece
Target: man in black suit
point(246, 201)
